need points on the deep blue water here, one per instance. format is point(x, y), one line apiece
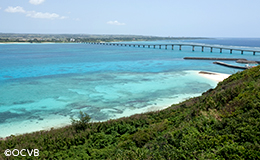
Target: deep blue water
point(43, 85)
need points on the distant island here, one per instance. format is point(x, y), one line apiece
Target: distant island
point(77, 38)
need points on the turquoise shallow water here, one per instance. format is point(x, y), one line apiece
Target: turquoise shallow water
point(43, 85)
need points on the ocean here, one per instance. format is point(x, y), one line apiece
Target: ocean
point(44, 85)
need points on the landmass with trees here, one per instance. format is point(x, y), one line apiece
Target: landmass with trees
point(77, 38)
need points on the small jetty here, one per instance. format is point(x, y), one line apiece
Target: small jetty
point(210, 58)
point(229, 65)
point(238, 60)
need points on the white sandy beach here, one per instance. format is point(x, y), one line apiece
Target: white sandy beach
point(15, 43)
point(213, 75)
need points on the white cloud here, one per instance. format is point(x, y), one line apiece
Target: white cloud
point(15, 9)
point(46, 15)
point(36, 2)
point(115, 23)
point(34, 14)
point(63, 17)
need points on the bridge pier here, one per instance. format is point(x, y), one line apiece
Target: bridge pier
point(220, 50)
point(211, 48)
point(129, 45)
point(193, 48)
point(143, 46)
point(242, 52)
point(172, 47)
point(230, 51)
point(253, 53)
point(125, 44)
point(159, 46)
point(138, 45)
point(153, 46)
point(148, 46)
point(134, 45)
point(165, 46)
point(180, 48)
point(202, 48)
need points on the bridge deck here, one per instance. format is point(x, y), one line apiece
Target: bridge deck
point(180, 45)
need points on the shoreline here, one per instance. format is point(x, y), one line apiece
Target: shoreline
point(218, 77)
point(164, 103)
point(34, 42)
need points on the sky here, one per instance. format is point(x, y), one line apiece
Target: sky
point(174, 18)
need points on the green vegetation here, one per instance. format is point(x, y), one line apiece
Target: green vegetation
point(82, 123)
point(223, 123)
point(65, 38)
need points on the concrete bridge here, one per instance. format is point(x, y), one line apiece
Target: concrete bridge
point(180, 47)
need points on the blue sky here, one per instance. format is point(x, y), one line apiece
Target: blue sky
point(177, 18)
